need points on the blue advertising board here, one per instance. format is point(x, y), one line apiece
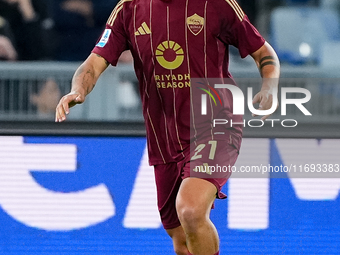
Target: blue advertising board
point(96, 195)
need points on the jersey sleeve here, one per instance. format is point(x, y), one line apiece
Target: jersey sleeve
point(237, 30)
point(113, 41)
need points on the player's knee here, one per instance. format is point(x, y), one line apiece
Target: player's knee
point(190, 217)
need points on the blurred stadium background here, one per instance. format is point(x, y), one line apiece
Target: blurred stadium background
point(84, 186)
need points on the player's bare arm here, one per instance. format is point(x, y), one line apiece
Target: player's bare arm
point(83, 82)
point(269, 67)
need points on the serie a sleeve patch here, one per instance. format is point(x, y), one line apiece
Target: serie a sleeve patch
point(105, 38)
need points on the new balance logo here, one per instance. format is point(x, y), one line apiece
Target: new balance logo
point(143, 30)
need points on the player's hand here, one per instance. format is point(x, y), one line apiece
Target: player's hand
point(65, 103)
point(265, 100)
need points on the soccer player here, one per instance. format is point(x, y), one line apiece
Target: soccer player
point(172, 43)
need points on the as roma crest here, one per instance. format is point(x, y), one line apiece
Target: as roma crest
point(195, 24)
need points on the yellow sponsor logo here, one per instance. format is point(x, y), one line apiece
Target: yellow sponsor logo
point(174, 81)
point(169, 55)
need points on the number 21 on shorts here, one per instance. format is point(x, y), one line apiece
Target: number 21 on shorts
point(200, 147)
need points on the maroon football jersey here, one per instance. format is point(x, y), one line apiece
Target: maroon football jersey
point(172, 42)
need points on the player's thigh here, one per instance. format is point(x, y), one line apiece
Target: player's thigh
point(195, 198)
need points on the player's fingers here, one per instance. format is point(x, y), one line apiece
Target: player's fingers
point(67, 102)
point(262, 106)
point(257, 98)
point(266, 103)
point(63, 107)
point(66, 109)
point(59, 113)
point(265, 117)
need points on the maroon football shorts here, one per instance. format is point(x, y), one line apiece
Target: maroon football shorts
point(220, 153)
